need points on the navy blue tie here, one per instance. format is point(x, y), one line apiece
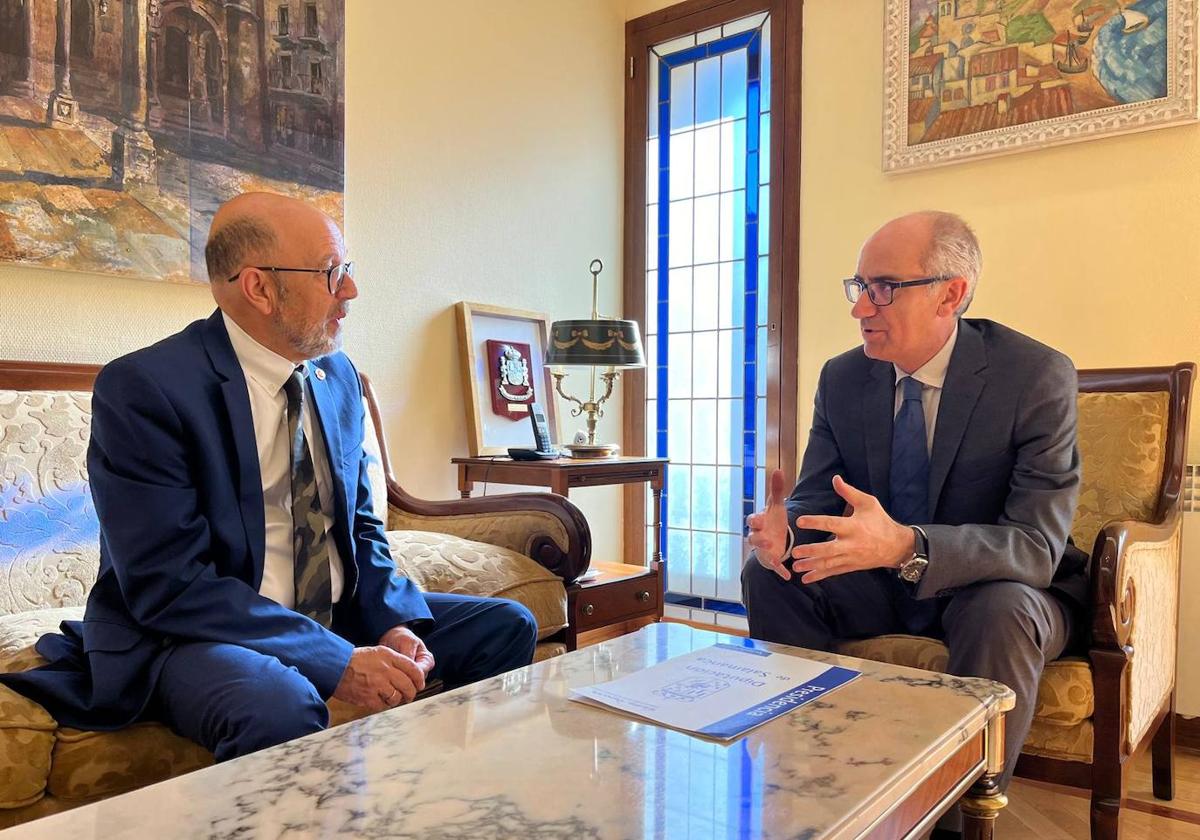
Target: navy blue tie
point(910, 459)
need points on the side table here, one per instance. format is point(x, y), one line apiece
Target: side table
point(561, 474)
point(618, 593)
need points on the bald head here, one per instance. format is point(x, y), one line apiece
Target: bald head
point(943, 244)
point(249, 228)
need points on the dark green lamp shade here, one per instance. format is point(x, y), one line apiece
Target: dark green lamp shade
point(601, 343)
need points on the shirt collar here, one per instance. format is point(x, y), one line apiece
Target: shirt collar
point(933, 372)
point(264, 366)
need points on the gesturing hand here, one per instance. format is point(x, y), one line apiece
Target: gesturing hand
point(866, 539)
point(769, 528)
point(378, 678)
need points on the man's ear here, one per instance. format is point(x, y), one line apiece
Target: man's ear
point(258, 290)
point(953, 294)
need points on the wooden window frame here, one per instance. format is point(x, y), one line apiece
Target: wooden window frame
point(784, 265)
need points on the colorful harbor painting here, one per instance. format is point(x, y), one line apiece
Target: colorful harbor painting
point(981, 70)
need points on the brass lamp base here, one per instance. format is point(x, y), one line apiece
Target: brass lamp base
point(592, 450)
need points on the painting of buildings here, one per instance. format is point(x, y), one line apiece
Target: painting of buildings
point(125, 123)
point(975, 66)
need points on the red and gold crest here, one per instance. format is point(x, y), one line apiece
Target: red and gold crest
point(510, 381)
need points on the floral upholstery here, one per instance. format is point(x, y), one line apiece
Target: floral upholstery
point(49, 556)
point(442, 563)
point(49, 559)
point(1122, 443)
point(1068, 743)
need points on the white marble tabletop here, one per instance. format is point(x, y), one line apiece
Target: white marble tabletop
point(512, 757)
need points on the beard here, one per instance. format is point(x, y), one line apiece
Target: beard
point(310, 340)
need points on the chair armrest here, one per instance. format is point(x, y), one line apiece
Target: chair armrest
point(544, 526)
point(1136, 612)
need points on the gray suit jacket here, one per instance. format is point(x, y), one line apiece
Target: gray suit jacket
point(1003, 474)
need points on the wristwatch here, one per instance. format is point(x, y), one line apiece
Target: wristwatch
point(910, 570)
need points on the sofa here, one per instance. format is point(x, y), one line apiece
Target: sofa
point(525, 546)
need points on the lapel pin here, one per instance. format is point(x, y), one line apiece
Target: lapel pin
point(320, 374)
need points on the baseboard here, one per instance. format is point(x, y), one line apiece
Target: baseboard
point(1187, 733)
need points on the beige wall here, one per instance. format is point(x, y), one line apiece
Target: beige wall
point(483, 164)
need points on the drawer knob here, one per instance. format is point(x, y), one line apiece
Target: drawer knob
point(643, 596)
point(588, 609)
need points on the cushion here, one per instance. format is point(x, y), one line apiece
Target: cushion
point(50, 553)
point(90, 764)
point(1122, 443)
point(1066, 695)
point(443, 563)
point(1068, 743)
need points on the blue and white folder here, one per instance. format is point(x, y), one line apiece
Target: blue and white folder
point(721, 691)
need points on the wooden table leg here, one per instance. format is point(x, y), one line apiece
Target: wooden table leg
point(656, 486)
point(984, 801)
point(464, 483)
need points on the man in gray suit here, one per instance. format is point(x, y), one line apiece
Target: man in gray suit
point(939, 482)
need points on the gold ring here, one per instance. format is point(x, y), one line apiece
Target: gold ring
point(388, 699)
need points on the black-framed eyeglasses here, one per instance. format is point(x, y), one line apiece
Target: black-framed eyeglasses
point(881, 292)
point(335, 275)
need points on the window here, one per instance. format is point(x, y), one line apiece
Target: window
point(702, 276)
point(310, 21)
point(283, 20)
point(285, 72)
point(314, 78)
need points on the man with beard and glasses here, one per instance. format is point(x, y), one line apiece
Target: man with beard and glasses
point(244, 578)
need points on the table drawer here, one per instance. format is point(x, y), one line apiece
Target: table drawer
point(618, 601)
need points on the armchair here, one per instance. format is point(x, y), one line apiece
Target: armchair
point(1093, 714)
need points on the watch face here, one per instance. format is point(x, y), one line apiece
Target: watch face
point(913, 569)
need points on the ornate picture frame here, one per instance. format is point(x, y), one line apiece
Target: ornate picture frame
point(1013, 79)
point(498, 421)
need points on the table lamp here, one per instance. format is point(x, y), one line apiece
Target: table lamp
point(593, 343)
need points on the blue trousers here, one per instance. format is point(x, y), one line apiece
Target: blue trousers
point(232, 700)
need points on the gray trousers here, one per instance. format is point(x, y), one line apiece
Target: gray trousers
point(1002, 630)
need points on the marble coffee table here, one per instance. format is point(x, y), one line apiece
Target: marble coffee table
point(512, 757)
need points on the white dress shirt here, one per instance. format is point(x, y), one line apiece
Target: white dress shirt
point(266, 372)
point(932, 376)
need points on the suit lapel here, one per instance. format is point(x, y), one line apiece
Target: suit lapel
point(879, 404)
point(237, 405)
point(959, 394)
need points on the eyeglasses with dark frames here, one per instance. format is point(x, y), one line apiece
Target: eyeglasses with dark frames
point(335, 275)
point(881, 291)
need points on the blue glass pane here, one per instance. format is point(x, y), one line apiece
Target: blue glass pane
point(764, 220)
point(708, 90)
point(651, 242)
point(729, 567)
point(681, 165)
point(707, 297)
point(733, 155)
point(764, 155)
point(679, 431)
point(704, 432)
point(679, 552)
point(678, 496)
point(704, 364)
point(679, 367)
point(729, 500)
point(681, 233)
point(733, 225)
point(764, 298)
point(733, 85)
point(733, 293)
point(708, 160)
point(704, 577)
point(704, 498)
point(729, 432)
point(682, 95)
point(766, 65)
point(760, 369)
point(731, 360)
point(680, 300)
point(761, 441)
point(706, 238)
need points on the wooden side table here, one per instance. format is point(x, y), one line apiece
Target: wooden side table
point(561, 474)
point(618, 593)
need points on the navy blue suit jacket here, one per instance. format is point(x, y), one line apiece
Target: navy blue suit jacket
point(174, 472)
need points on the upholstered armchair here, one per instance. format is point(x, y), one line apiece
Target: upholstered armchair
point(1095, 712)
point(525, 547)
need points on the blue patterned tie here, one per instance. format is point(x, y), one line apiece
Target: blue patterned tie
point(314, 589)
point(910, 459)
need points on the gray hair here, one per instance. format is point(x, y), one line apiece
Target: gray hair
point(232, 246)
point(953, 252)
